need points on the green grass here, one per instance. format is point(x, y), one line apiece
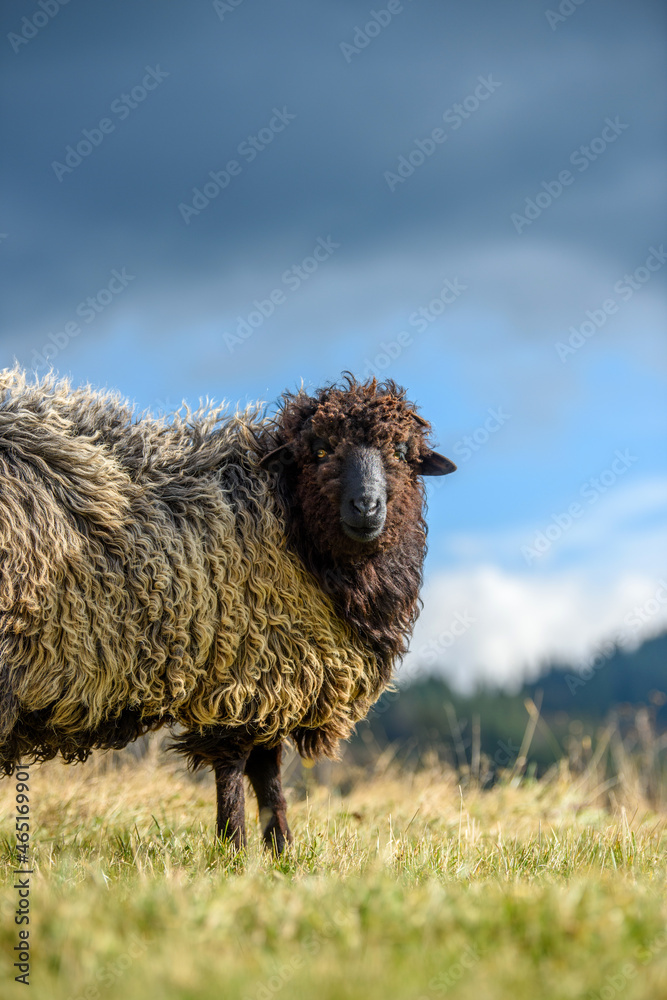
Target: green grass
point(406, 887)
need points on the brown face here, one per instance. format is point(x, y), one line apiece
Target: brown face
point(357, 463)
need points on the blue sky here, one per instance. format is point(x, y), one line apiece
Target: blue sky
point(163, 96)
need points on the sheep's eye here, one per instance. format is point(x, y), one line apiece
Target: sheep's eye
point(320, 450)
point(321, 453)
point(400, 452)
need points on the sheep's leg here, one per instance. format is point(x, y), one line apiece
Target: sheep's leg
point(231, 800)
point(263, 769)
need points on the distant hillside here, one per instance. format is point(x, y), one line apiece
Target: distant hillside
point(633, 678)
point(428, 715)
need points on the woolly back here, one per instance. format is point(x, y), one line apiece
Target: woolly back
point(145, 575)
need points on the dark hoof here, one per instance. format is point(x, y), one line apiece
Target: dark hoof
point(277, 835)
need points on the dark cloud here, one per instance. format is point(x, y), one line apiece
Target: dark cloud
point(324, 172)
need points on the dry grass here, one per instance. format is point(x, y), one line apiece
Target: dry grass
point(408, 886)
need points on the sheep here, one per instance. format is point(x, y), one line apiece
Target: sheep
point(244, 578)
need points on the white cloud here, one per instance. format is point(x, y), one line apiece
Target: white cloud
point(605, 577)
point(523, 620)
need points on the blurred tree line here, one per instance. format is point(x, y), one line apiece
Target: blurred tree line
point(492, 730)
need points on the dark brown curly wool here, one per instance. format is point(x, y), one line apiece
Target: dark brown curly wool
point(375, 588)
point(194, 571)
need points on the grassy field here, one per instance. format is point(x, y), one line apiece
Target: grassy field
point(407, 886)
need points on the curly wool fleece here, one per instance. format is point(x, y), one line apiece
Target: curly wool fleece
point(145, 576)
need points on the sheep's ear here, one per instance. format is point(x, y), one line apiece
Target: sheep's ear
point(277, 459)
point(433, 464)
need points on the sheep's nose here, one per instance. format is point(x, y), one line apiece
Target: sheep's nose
point(365, 505)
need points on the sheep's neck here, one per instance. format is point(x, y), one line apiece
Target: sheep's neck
point(378, 596)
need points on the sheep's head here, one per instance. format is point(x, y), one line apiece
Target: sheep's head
point(351, 458)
